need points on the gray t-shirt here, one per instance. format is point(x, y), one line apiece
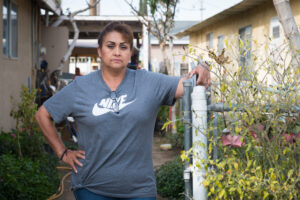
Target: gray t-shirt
point(118, 145)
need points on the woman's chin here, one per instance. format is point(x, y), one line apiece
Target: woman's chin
point(116, 67)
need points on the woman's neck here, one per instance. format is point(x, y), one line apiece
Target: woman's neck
point(113, 78)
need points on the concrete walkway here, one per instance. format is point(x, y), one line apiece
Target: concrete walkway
point(159, 157)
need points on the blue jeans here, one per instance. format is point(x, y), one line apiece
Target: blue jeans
point(84, 194)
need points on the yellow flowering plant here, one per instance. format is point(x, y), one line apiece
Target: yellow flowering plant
point(259, 155)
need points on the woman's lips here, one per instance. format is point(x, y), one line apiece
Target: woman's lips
point(117, 60)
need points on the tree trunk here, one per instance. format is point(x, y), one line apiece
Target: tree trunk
point(70, 18)
point(165, 57)
point(289, 25)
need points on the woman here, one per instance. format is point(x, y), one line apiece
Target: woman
point(115, 110)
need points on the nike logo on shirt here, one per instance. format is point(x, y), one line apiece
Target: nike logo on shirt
point(106, 105)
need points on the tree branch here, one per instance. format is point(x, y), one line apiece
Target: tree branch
point(69, 18)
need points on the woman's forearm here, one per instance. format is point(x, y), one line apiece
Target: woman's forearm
point(44, 121)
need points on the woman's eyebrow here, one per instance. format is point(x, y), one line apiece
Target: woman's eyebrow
point(111, 42)
point(124, 43)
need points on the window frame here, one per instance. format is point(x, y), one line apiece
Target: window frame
point(5, 34)
point(221, 39)
point(245, 35)
point(274, 22)
point(210, 40)
point(11, 43)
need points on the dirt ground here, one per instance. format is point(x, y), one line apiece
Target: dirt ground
point(159, 157)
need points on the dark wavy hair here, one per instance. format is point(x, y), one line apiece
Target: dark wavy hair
point(119, 27)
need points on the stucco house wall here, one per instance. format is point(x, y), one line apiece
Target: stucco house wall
point(258, 17)
point(23, 69)
point(55, 39)
point(16, 71)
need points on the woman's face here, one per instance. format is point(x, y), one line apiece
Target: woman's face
point(115, 52)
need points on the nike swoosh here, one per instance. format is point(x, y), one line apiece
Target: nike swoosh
point(99, 111)
point(123, 105)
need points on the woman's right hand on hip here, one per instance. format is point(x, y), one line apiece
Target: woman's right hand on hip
point(71, 158)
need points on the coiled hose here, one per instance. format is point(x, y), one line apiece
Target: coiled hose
point(60, 190)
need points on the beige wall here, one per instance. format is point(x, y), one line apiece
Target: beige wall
point(259, 18)
point(15, 72)
point(55, 39)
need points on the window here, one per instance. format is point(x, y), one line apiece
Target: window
point(275, 28)
point(276, 32)
point(276, 39)
point(10, 29)
point(209, 40)
point(220, 43)
point(245, 46)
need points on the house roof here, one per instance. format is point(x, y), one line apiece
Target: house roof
point(53, 5)
point(90, 26)
point(107, 18)
point(234, 10)
point(178, 26)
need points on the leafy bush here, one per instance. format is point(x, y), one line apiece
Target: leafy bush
point(8, 143)
point(24, 111)
point(23, 178)
point(26, 170)
point(163, 114)
point(169, 179)
point(31, 146)
point(262, 97)
point(177, 139)
point(161, 119)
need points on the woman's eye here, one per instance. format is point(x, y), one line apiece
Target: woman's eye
point(110, 46)
point(123, 47)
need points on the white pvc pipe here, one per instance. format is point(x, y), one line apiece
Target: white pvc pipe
point(199, 121)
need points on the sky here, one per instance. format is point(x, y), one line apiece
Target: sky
point(186, 10)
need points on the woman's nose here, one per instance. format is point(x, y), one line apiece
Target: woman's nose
point(117, 51)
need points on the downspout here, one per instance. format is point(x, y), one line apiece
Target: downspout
point(188, 86)
point(215, 135)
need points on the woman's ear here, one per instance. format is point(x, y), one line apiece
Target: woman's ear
point(99, 51)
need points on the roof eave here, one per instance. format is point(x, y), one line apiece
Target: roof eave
point(53, 6)
point(235, 9)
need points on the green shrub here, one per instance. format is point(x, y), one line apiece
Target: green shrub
point(163, 114)
point(23, 178)
point(31, 146)
point(169, 179)
point(27, 171)
point(177, 139)
point(8, 143)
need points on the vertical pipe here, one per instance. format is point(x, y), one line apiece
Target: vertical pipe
point(47, 18)
point(173, 119)
point(199, 120)
point(215, 127)
point(29, 85)
point(170, 117)
point(187, 137)
point(208, 103)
